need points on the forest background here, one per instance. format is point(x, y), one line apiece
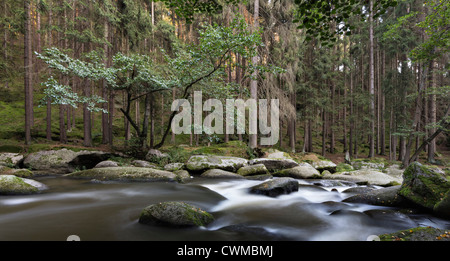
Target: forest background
point(366, 78)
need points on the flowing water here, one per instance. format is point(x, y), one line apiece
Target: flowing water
point(110, 211)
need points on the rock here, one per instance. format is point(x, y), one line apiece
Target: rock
point(174, 166)
point(251, 170)
point(182, 175)
point(276, 154)
point(377, 163)
point(381, 197)
point(302, 171)
point(442, 208)
point(10, 159)
point(12, 185)
point(143, 164)
point(425, 186)
point(358, 190)
point(63, 161)
point(275, 187)
point(125, 174)
point(200, 163)
point(22, 173)
point(153, 154)
point(274, 164)
point(418, 234)
point(178, 214)
point(322, 165)
point(106, 164)
point(220, 174)
point(366, 177)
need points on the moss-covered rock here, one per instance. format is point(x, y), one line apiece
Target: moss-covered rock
point(174, 166)
point(220, 174)
point(302, 171)
point(178, 214)
point(418, 234)
point(371, 163)
point(182, 175)
point(125, 174)
point(365, 177)
point(322, 165)
point(22, 173)
point(251, 170)
point(10, 159)
point(344, 167)
point(381, 197)
point(200, 163)
point(424, 186)
point(13, 185)
point(274, 164)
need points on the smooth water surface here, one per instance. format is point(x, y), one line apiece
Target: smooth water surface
point(110, 211)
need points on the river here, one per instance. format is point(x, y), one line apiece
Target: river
point(110, 212)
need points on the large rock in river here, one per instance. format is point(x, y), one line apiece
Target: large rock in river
point(125, 174)
point(63, 161)
point(275, 187)
point(426, 187)
point(302, 171)
point(381, 197)
point(366, 177)
point(199, 163)
point(220, 174)
point(251, 170)
point(12, 185)
point(178, 214)
point(274, 164)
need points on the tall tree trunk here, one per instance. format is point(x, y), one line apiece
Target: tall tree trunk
point(371, 83)
point(105, 117)
point(253, 138)
point(28, 74)
point(432, 111)
point(87, 142)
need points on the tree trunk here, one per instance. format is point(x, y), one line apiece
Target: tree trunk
point(371, 83)
point(87, 142)
point(432, 111)
point(28, 72)
point(253, 142)
point(105, 118)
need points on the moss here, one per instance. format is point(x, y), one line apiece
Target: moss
point(423, 185)
point(12, 185)
point(417, 234)
point(344, 167)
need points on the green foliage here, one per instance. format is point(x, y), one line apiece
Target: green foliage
point(319, 17)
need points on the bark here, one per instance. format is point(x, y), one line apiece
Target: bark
point(28, 72)
point(253, 142)
point(371, 83)
point(432, 111)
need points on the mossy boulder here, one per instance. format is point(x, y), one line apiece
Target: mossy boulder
point(426, 187)
point(372, 163)
point(10, 159)
point(322, 165)
point(177, 214)
point(380, 197)
point(344, 167)
point(63, 161)
point(251, 170)
point(22, 173)
point(13, 185)
point(275, 187)
point(302, 171)
point(125, 174)
point(220, 174)
point(200, 163)
point(274, 164)
point(174, 166)
point(366, 177)
point(418, 234)
point(182, 175)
